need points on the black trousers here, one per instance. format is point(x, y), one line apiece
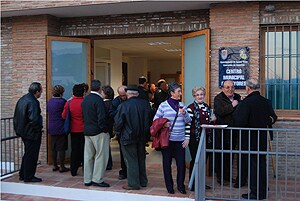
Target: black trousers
point(175, 150)
point(77, 150)
point(123, 170)
point(30, 158)
point(223, 141)
point(262, 191)
point(243, 163)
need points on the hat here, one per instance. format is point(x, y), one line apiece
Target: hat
point(131, 87)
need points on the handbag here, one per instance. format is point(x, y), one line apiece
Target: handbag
point(67, 124)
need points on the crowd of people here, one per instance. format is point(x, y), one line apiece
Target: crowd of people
point(96, 117)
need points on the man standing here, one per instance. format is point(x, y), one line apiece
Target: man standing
point(96, 148)
point(224, 104)
point(28, 125)
point(112, 112)
point(132, 121)
point(143, 93)
point(256, 112)
point(161, 94)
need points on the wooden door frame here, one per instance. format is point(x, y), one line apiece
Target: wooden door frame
point(90, 72)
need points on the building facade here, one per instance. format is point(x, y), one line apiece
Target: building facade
point(271, 30)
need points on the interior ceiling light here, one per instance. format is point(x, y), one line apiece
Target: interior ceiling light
point(173, 50)
point(158, 43)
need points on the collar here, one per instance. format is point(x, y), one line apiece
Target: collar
point(95, 92)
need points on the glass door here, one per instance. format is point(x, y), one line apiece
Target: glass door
point(68, 63)
point(195, 63)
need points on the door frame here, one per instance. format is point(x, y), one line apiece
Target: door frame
point(90, 72)
point(206, 33)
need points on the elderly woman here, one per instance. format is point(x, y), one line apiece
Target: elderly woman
point(200, 112)
point(59, 139)
point(173, 110)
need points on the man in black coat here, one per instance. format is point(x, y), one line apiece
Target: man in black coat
point(28, 125)
point(132, 122)
point(161, 94)
point(143, 93)
point(224, 104)
point(255, 111)
point(112, 113)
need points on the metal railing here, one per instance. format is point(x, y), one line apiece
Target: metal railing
point(11, 148)
point(282, 161)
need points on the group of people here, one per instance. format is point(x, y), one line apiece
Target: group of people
point(98, 116)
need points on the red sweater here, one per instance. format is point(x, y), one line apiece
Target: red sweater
point(76, 114)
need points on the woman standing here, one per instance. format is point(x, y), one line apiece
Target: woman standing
point(173, 110)
point(59, 139)
point(199, 111)
point(77, 137)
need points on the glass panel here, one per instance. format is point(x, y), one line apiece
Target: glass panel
point(278, 43)
point(194, 65)
point(69, 64)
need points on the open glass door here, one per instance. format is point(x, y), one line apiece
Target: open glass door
point(68, 63)
point(195, 63)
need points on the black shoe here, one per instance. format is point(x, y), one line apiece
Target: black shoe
point(251, 197)
point(34, 179)
point(207, 187)
point(21, 178)
point(183, 191)
point(102, 184)
point(55, 168)
point(88, 184)
point(63, 169)
point(171, 191)
point(121, 177)
point(236, 185)
point(108, 168)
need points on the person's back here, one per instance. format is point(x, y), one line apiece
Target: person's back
point(93, 114)
point(137, 113)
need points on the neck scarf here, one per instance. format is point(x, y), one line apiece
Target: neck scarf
point(197, 121)
point(173, 103)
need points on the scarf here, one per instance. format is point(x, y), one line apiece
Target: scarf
point(197, 121)
point(173, 103)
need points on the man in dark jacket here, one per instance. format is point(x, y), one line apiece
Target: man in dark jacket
point(28, 125)
point(224, 104)
point(132, 121)
point(96, 136)
point(143, 93)
point(161, 94)
point(256, 112)
point(112, 113)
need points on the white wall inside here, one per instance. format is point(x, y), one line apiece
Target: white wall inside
point(137, 67)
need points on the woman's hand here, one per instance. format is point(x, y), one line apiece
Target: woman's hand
point(167, 124)
point(185, 143)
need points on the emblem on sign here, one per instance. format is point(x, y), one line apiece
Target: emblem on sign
point(224, 54)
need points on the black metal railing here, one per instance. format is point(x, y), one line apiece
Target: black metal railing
point(11, 148)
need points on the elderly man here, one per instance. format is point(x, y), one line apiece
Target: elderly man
point(112, 112)
point(28, 125)
point(132, 121)
point(224, 104)
point(161, 94)
point(255, 111)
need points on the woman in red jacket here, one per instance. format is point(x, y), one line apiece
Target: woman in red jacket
point(77, 137)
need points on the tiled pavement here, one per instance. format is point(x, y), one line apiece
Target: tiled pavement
point(155, 187)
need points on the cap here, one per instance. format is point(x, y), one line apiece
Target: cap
point(131, 87)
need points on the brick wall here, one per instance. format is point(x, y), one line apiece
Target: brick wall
point(233, 25)
point(146, 23)
point(23, 5)
point(29, 59)
point(6, 68)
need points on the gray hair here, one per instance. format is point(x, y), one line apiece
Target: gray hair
point(132, 92)
point(253, 83)
point(198, 88)
point(35, 87)
point(173, 86)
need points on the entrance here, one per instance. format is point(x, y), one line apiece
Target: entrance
point(184, 59)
